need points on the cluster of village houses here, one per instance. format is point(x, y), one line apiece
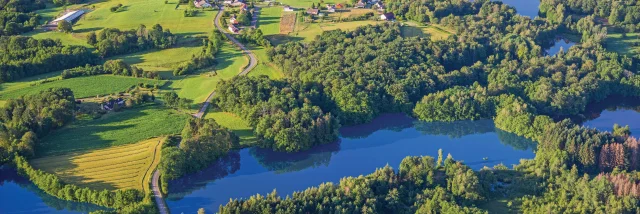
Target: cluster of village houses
point(331, 8)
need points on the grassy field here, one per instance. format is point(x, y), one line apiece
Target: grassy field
point(162, 61)
point(309, 31)
point(198, 86)
point(120, 167)
point(137, 12)
point(269, 20)
point(264, 67)
point(113, 129)
point(616, 43)
point(436, 32)
point(81, 86)
point(236, 124)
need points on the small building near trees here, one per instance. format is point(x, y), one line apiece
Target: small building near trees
point(69, 17)
point(312, 11)
point(387, 16)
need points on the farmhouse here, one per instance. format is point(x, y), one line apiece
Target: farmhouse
point(233, 28)
point(201, 3)
point(331, 8)
point(233, 20)
point(69, 17)
point(379, 6)
point(287, 8)
point(312, 11)
point(387, 16)
point(360, 4)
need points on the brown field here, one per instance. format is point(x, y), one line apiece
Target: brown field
point(120, 167)
point(287, 23)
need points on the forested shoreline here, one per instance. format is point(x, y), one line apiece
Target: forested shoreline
point(493, 67)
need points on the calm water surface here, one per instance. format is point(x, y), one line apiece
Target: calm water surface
point(525, 7)
point(561, 44)
point(19, 195)
point(362, 149)
point(615, 110)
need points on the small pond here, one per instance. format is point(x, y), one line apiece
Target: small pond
point(361, 149)
point(561, 44)
point(525, 7)
point(19, 195)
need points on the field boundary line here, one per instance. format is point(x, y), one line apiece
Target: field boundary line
point(153, 159)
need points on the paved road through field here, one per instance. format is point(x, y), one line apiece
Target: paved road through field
point(162, 207)
point(253, 62)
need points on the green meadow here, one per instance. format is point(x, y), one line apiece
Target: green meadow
point(81, 86)
point(230, 61)
point(624, 45)
point(113, 129)
point(436, 32)
point(234, 123)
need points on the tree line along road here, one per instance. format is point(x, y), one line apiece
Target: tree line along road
point(253, 62)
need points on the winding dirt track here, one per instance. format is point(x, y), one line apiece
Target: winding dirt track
point(253, 62)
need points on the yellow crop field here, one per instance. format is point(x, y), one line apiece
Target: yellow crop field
point(120, 167)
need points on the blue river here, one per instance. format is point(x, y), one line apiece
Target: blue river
point(361, 149)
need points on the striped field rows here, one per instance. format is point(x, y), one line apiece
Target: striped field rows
point(120, 167)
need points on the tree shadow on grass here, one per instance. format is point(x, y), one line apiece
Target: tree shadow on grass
point(267, 20)
point(278, 39)
point(83, 135)
point(225, 59)
point(87, 30)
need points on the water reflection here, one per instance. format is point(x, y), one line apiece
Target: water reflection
point(19, 195)
point(561, 44)
point(361, 149)
point(613, 110)
point(525, 7)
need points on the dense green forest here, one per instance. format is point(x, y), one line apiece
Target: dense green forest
point(115, 67)
point(202, 141)
point(112, 41)
point(16, 16)
point(24, 56)
point(494, 67)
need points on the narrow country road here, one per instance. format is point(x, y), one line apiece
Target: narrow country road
point(253, 62)
point(162, 207)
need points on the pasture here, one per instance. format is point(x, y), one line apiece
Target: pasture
point(624, 45)
point(264, 67)
point(81, 86)
point(436, 32)
point(112, 129)
point(309, 31)
point(269, 20)
point(234, 123)
point(120, 167)
point(137, 12)
point(198, 86)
